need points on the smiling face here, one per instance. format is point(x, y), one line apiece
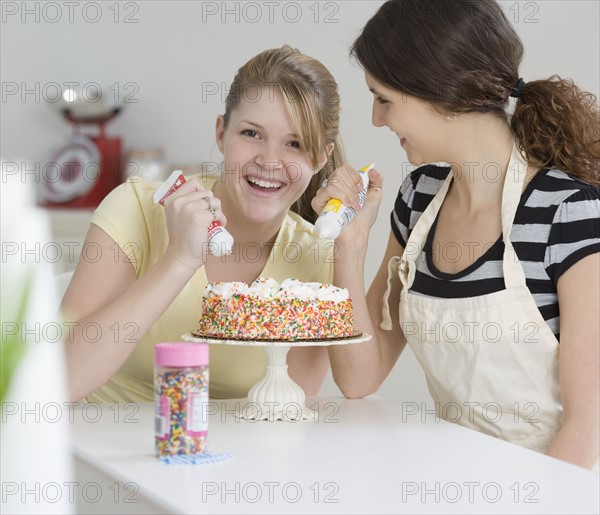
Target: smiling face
point(266, 171)
point(424, 133)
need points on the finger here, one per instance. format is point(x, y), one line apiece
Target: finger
point(216, 216)
point(344, 184)
point(323, 196)
point(222, 218)
point(341, 170)
point(347, 178)
point(202, 199)
point(351, 183)
point(375, 185)
point(320, 199)
point(205, 218)
point(341, 187)
point(199, 187)
point(204, 195)
point(375, 179)
point(348, 198)
point(187, 189)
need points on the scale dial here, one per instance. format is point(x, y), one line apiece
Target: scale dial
point(72, 170)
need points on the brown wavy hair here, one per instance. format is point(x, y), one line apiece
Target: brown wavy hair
point(464, 56)
point(313, 103)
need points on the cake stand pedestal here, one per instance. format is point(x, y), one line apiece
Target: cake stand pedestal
point(276, 396)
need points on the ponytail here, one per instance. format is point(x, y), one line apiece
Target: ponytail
point(557, 125)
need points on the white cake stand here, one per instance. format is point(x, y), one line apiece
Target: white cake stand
point(276, 396)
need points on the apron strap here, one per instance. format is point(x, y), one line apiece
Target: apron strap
point(386, 323)
point(418, 236)
point(511, 196)
point(512, 269)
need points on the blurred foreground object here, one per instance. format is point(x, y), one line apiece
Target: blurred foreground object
point(36, 457)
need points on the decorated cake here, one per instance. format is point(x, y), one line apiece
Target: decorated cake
point(266, 310)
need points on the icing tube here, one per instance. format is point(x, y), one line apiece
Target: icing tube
point(220, 241)
point(335, 215)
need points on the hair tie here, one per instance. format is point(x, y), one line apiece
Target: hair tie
point(518, 88)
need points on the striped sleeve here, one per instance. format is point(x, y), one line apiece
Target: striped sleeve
point(575, 231)
point(402, 210)
point(416, 192)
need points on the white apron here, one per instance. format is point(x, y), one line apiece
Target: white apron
point(491, 362)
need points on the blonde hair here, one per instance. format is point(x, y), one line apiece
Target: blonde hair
point(313, 103)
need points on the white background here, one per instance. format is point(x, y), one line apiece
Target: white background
point(175, 50)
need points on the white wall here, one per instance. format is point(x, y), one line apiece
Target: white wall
point(171, 53)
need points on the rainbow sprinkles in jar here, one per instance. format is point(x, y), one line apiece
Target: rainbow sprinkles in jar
point(181, 398)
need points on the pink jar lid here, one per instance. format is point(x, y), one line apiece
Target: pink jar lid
point(181, 354)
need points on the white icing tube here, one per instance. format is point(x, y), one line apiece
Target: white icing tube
point(335, 215)
point(220, 241)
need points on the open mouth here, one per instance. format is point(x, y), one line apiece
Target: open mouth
point(264, 185)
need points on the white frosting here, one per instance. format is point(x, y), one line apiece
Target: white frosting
point(227, 290)
point(267, 288)
point(330, 292)
point(295, 289)
point(264, 288)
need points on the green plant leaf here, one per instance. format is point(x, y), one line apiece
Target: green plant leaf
point(13, 347)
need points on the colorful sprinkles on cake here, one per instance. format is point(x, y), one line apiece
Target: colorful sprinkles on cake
point(267, 311)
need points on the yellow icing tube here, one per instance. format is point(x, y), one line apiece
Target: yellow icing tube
point(335, 215)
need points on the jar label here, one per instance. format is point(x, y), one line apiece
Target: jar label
point(162, 418)
point(197, 416)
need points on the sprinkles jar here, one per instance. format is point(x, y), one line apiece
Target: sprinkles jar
point(180, 398)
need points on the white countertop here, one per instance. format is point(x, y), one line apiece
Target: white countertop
point(360, 456)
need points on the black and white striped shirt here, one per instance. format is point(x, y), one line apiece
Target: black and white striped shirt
point(557, 223)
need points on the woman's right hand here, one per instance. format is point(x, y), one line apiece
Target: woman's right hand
point(189, 212)
point(345, 184)
point(368, 213)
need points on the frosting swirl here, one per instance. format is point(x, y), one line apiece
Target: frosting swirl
point(266, 288)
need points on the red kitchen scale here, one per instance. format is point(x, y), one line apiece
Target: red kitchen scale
point(83, 170)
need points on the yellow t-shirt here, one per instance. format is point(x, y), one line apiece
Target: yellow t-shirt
point(130, 217)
